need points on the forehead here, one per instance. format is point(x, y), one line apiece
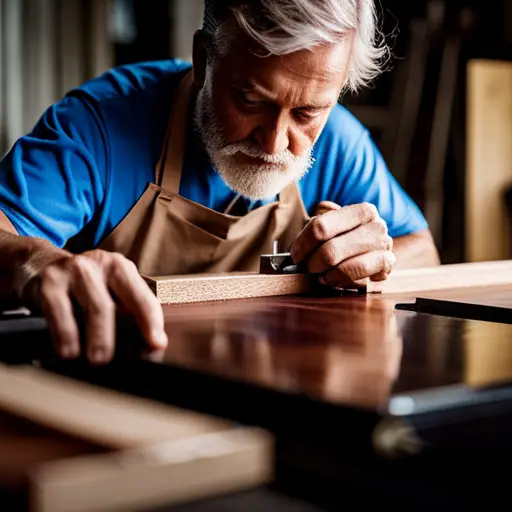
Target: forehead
point(320, 71)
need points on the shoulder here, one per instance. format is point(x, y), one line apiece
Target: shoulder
point(132, 80)
point(342, 135)
point(340, 146)
point(122, 100)
point(125, 109)
point(349, 168)
point(344, 148)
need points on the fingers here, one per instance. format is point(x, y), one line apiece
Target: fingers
point(376, 265)
point(369, 237)
point(326, 206)
point(89, 288)
point(137, 298)
point(58, 311)
point(331, 224)
point(90, 281)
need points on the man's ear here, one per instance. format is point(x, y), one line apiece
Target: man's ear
point(199, 58)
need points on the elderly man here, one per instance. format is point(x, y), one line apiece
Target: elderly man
point(164, 168)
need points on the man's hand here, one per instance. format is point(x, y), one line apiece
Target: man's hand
point(94, 281)
point(346, 245)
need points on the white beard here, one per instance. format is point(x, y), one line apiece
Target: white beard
point(254, 181)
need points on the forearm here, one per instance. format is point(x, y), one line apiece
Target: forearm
point(416, 250)
point(21, 258)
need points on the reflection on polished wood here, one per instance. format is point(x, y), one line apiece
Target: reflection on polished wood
point(488, 354)
point(488, 345)
point(355, 350)
point(345, 350)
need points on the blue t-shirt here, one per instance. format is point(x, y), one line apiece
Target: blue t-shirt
point(90, 157)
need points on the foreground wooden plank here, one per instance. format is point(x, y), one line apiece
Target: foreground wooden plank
point(164, 474)
point(237, 285)
point(214, 287)
point(156, 455)
point(107, 418)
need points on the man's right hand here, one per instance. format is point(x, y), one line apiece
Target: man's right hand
point(95, 281)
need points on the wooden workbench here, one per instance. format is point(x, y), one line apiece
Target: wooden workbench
point(329, 376)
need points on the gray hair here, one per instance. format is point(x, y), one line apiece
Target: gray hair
point(285, 26)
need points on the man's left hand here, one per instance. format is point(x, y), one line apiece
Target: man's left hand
point(346, 246)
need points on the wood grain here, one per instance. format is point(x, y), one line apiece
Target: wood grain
point(191, 288)
point(237, 285)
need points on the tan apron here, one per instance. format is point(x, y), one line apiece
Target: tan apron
point(167, 234)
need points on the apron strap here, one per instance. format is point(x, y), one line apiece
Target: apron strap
point(161, 160)
point(235, 206)
point(170, 165)
point(289, 194)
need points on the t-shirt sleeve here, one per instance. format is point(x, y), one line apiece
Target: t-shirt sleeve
point(52, 181)
point(366, 178)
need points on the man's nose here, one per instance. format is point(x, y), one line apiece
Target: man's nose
point(273, 138)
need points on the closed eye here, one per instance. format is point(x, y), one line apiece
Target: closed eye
point(247, 98)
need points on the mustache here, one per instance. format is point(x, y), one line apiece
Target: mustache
point(286, 157)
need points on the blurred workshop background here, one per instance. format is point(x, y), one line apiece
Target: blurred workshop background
point(441, 114)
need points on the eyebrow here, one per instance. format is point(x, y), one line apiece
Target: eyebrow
point(255, 88)
point(316, 106)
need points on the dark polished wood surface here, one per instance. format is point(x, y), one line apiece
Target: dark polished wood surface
point(342, 350)
point(351, 350)
point(354, 351)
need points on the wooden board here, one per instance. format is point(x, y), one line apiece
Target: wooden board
point(153, 454)
point(186, 289)
point(71, 407)
point(163, 474)
point(489, 159)
point(236, 285)
point(449, 277)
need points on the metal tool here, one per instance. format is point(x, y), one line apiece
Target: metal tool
point(279, 263)
point(282, 263)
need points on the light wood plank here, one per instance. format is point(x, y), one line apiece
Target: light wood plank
point(489, 159)
point(162, 455)
point(164, 474)
point(186, 289)
point(446, 277)
point(237, 285)
point(107, 418)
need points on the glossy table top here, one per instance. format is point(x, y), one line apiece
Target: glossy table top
point(356, 351)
